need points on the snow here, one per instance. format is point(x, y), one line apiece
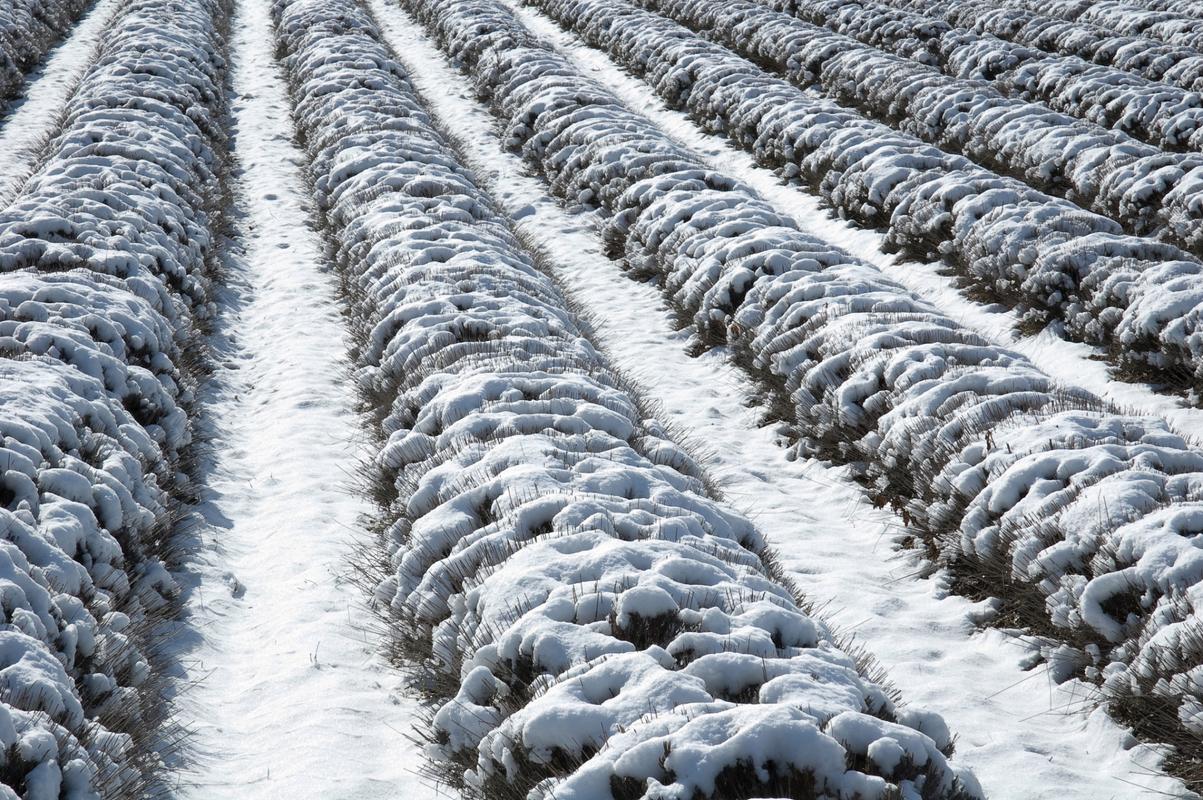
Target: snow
point(531, 491)
point(31, 119)
point(28, 30)
point(98, 301)
point(1002, 728)
point(1027, 248)
point(580, 606)
point(287, 692)
point(1145, 88)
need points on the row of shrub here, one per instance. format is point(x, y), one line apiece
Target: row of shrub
point(1059, 28)
point(106, 257)
point(1054, 261)
point(577, 598)
point(1190, 8)
point(1169, 116)
point(1166, 24)
point(996, 466)
point(1148, 191)
point(28, 29)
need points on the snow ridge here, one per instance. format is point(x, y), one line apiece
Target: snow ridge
point(599, 624)
point(972, 444)
point(104, 277)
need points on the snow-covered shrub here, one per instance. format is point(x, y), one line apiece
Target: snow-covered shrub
point(910, 35)
point(1048, 257)
point(1188, 8)
point(28, 28)
point(1097, 168)
point(1158, 113)
point(554, 558)
point(985, 455)
point(1147, 57)
point(1142, 87)
point(1165, 25)
point(104, 277)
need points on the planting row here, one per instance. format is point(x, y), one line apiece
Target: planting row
point(1167, 116)
point(28, 28)
point(595, 623)
point(1190, 8)
point(968, 440)
point(1016, 244)
point(103, 263)
point(1129, 19)
point(1147, 190)
point(1179, 64)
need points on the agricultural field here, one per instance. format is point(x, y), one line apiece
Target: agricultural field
point(601, 399)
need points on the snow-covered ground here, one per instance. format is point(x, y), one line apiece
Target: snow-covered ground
point(1009, 721)
point(29, 120)
point(287, 694)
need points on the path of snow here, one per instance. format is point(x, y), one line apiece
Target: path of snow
point(1014, 729)
point(34, 115)
point(291, 698)
point(1054, 355)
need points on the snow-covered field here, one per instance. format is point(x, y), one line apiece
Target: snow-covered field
point(601, 399)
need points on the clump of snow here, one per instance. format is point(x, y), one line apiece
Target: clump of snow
point(557, 562)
